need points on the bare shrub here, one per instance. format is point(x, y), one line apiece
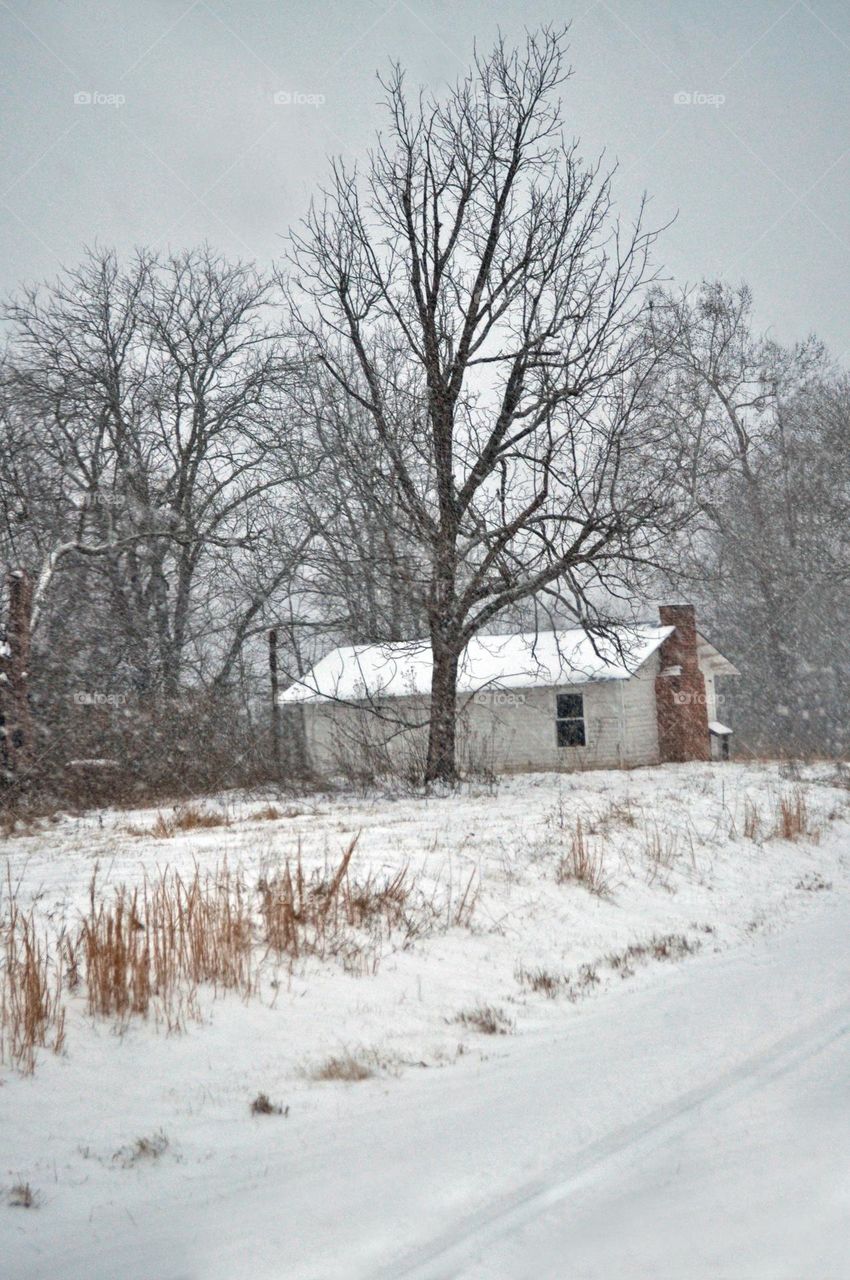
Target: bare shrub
point(32, 1014)
point(583, 864)
point(839, 777)
point(262, 1106)
point(486, 1018)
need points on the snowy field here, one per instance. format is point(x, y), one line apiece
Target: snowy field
point(583, 956)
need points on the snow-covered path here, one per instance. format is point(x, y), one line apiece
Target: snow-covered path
point(693, 1124)
point(746, 1175)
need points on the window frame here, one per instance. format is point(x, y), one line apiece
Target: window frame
point(570, 720)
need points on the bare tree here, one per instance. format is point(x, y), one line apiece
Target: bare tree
point(146, 485)
point(765, 433)
point(484, 312)
point(155, 395)
point(364, 565)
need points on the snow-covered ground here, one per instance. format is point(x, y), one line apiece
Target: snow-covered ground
point(624, 1123)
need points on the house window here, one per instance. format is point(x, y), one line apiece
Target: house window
point(569, 720)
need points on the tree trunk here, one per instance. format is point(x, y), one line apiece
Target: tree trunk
point(441, 766)
point(17, 718)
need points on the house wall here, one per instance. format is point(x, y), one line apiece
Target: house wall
point(502, 730)
point(710, 683)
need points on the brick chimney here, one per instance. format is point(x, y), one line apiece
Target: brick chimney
point(680, 700)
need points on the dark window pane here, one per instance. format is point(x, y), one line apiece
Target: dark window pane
point(570, 706)
point(570, 733)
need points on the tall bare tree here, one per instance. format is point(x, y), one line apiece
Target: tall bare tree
point(146, 487)
point(484, 312)
point(153, 395)
point(765, 430)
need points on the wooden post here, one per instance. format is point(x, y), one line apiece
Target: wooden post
point(275, 703)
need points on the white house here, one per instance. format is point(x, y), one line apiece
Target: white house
point(545, 700)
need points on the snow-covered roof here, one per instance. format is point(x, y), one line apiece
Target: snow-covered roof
point(359, 672)
point(712, 659)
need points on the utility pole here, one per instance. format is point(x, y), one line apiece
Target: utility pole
point(275, 703)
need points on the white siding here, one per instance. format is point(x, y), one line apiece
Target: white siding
point(506, 731)
point(501, 730)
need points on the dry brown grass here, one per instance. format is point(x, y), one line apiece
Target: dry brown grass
point(813, 883)
point(488, 1019)
point(752, 820)
point(270, 813)
point(32, 1013)
point(263, 1106)
point(185, 817)
point(142, 1151)
point(660, 849)
point(541, 981)
point(329, 913)
point(668, 946)
point(792, 820)
point(343, 1066)
point(22, 1196)
point(169, 935)
point(584, 863)
point(584, 981)
point(553, 985)
point(617, 814)
point(147, 950)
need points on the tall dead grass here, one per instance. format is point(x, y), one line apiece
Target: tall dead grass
point(32, 1014)
point(169, 934)
point(752, 820)
point(146, 951)
point(584, 863)
point(792, 819)
point(329, 913)
point(184, 817)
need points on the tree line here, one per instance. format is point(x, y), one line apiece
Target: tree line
point(465, 400)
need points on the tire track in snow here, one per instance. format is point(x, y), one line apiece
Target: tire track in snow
point(446, 1257)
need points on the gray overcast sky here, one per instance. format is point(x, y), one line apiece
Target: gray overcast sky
point(199, 149)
